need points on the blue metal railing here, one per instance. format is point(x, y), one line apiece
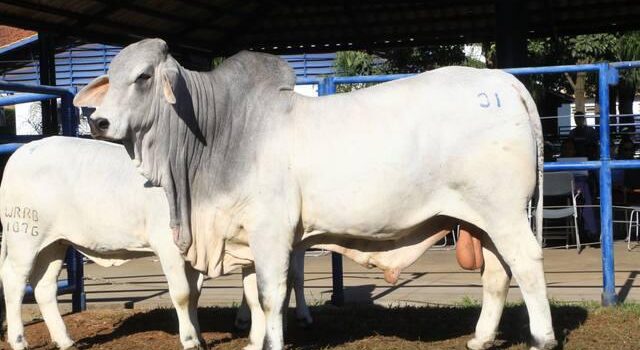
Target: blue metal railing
point(74, 283)
point(607, 75)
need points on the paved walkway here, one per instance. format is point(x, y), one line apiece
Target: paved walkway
point(434, 278)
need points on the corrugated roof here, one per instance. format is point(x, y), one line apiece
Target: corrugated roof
point(221, 27)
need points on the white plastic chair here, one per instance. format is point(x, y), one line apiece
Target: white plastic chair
point(561, 185)
point(634, 222)
point(445, 244)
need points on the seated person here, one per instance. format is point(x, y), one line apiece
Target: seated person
point(568, 148)
point(627, 150)
point(584, 137)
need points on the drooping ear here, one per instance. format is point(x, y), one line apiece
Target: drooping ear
point(92, 94)
point(169, 74)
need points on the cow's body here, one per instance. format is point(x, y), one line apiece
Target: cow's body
point(378, 174)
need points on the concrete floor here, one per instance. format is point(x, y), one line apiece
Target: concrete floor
point(434, 278)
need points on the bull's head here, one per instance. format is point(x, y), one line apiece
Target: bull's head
point(124, 98)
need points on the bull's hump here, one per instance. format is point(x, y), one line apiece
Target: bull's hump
point(261, 68)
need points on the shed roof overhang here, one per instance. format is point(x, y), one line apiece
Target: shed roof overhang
point(221, 27)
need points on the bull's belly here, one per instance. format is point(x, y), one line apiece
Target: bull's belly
point(377, 215)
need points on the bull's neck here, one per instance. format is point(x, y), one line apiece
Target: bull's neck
point(201, 91)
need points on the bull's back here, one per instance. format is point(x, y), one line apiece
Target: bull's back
point(392, 154)
point(85, 191)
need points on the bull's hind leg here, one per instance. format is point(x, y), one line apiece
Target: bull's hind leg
point(243, 316)
point(303, 316)
point(257, 333)
point(15, 271)
point(495, 286)
point(44, 279)
point(196, 280)
point(517, 245)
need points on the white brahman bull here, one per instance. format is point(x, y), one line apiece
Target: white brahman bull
point(253, 170)
point(67, 191)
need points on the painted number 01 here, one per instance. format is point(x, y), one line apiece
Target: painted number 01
point(485, 100)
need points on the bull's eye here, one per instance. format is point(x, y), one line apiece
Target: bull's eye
point(143, 77)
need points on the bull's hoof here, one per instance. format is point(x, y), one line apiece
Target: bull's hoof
point(242, 325)
point(304, 322)
point(251, 347)
point(478, 344)
point(548, 344)
point(197, 347)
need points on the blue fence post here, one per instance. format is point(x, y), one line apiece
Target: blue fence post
point(75, 267)
point(606, 221)
point(327, 86)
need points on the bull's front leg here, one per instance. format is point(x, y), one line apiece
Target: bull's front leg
point(180, 291)
point(44, 278)
point(271, 247)
point(252, 304)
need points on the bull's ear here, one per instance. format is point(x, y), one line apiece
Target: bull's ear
point(92, 94)
point(169, 76)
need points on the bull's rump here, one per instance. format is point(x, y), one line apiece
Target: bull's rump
point(386, 158)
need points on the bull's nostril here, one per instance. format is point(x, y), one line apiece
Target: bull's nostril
point(102, 124)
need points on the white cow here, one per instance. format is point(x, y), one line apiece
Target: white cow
point(253, 170)
point(64, 191)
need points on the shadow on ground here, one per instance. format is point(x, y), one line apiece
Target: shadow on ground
point(334, 326)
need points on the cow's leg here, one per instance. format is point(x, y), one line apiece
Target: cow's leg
point(297, 278)
point(243, 316)
point(44, 279)
point(271, 248)
point(495, 286)
point(517, 245)
point(256, 317)
point(174, 269)
point(15, 271)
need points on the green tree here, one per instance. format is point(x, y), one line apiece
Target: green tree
point(352, 63)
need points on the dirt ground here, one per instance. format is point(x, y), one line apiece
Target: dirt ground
point(372, 327)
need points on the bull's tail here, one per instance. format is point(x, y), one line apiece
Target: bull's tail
point(536, 130)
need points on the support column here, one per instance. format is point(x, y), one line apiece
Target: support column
point(511, 33)
point(47, 67)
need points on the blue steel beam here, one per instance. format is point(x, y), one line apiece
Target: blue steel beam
point(64, 287)
point(624, 164)
point(23, 98)
point(571, 166)
point(606, 218)
point(8, 148)
point(626, 64)
point(308, 81)
point(38, 89)
point(360, 79)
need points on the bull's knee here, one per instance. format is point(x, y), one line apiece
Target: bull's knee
point(181, 297)
point(469, 249)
